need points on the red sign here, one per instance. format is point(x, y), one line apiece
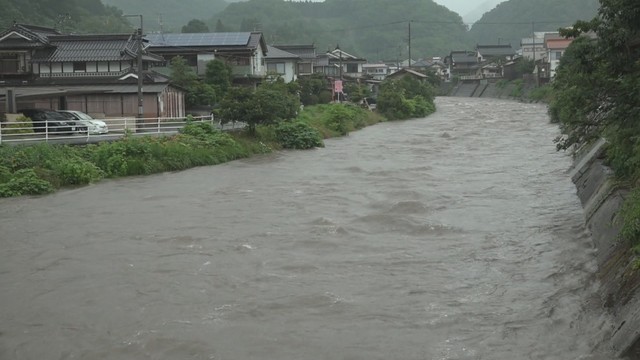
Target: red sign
point(337, 86)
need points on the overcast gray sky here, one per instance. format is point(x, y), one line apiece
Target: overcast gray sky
point(470, 10)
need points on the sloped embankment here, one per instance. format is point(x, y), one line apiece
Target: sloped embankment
point(601, 199)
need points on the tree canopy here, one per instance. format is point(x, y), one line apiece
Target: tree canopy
point(598, 81)
point(513, 20)
point(82, 16)
point(195, 26)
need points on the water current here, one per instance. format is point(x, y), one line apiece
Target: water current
point(456, 236)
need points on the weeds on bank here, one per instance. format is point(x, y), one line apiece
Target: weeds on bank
point(43, 168)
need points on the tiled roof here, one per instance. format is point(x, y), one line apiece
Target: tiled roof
point(495, 50)
point(275, 53)
point(68, 48)
point(307, 52)
point(257, 41)
point(463, 57)
point(408, 71)
point(199, 39)
point(26, 36)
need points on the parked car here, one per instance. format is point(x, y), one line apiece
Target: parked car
point(45, 120)
point(94, 126)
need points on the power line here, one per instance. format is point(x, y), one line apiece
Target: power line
point(448, 22)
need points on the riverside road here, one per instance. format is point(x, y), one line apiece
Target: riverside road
point(457, 236)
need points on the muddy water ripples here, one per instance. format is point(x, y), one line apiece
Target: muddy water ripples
point(457, 236)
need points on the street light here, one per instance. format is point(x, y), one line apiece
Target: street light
point(340, 52)
point(139, 70)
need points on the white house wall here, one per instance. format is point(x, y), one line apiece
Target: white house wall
point(203, 59)
point(290, 71)
point(92, 66)
point(259, 64)
point(103, 66)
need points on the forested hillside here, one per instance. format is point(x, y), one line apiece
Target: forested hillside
point(172, 13)
point(512, 20)
point(375, 29)
point(80, 16)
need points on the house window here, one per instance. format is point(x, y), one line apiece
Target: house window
point(304, 68)
point(277, 68)
point(79, 66)
point(9, 63)
point(241, 61)
point(556, 55)
point(352, 68)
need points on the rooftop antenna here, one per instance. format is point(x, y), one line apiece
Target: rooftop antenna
point(62, 18)
point(160, 23)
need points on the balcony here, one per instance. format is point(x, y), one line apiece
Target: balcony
point(84, 74)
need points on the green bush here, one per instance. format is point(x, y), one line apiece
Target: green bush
point(298, 135)
point(77, 172)
point(325, 97)
point(341, 118)
point(25, 182)
point(542, 93)
point(5, 174)
point(406, 98)
point(518, 85)
point(22, 125)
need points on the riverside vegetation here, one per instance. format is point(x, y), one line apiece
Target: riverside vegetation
point(271, 113)
point(596, 94)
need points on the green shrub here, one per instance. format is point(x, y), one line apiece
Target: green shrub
point(22, 125)
point(406, 98)
point(298, 135)
point(630, 219)
point(325, 97)
point(542, 93)
point(25, 182)
point(5, 174)
point(341, 118)
point(77, 172)
point(518, 86)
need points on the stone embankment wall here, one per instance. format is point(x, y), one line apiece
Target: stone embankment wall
point(489, 89)
point(620, 291)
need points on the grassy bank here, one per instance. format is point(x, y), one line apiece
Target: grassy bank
point(44, 168)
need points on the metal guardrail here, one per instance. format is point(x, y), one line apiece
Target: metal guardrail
point(28, 132)
point(480, 77)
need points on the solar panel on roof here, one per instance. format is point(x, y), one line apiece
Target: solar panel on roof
point(199, 39)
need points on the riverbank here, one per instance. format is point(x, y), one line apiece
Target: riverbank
point(44, 168)
point(500, 89)
point(602, 198)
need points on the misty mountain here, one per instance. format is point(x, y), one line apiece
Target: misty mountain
point(67, 15)
point(170, 15)
point(475, 14)
point(512, 20)
point(374, 29)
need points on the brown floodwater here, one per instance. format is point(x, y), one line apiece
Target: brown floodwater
point(456, 236)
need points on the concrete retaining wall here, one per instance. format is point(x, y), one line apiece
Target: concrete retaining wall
point(620, 289)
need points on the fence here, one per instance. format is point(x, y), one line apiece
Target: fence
point(74, 132)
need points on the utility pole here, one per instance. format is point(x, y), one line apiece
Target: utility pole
point(139, 38)
point(409, 44)
point(533, 40)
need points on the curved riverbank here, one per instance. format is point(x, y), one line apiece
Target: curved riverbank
point(602, 199)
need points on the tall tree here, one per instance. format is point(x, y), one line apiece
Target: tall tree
point(220, 75)
point(219, 26)
point(195, 26)
point(611, 67)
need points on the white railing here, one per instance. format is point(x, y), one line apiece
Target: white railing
point(82, 74)
point(34, 132)
point(481, 76)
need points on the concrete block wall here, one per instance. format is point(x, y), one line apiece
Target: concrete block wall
point(620, 283)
